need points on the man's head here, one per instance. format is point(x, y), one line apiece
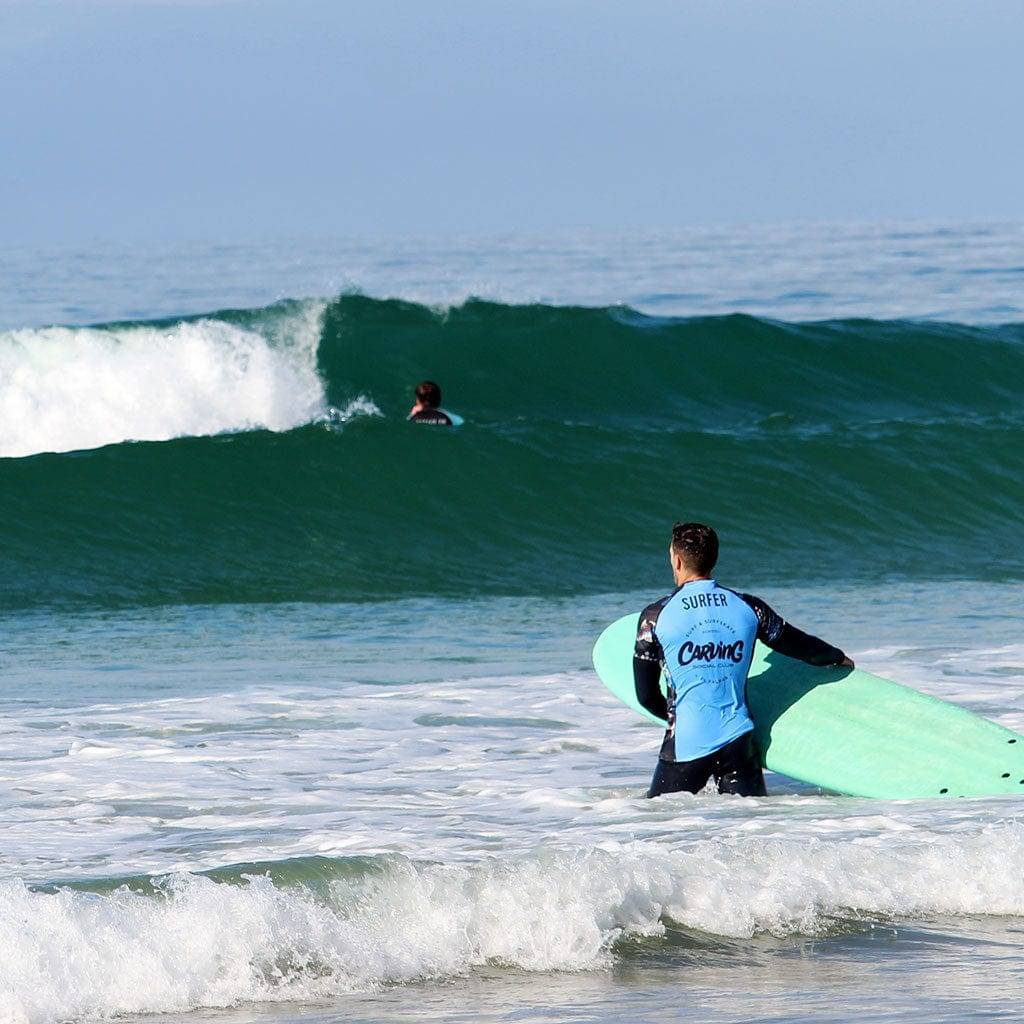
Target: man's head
point(428, 395)
point(693, 551)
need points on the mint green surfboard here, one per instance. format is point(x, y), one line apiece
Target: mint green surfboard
point(849, 731)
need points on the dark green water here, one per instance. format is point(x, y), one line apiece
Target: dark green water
point(851, 450)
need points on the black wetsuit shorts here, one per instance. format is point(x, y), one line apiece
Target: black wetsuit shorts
point(736, 768)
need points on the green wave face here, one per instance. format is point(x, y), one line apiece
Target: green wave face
point(843, 450)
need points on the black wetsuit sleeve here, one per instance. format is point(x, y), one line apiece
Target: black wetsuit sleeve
point(647, 661)
point(779, 635)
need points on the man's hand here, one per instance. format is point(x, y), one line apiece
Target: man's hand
point(847, 662)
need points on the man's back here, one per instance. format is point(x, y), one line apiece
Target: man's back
point(435, 416)
point(704, 636)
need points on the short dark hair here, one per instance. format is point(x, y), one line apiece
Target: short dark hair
point(697, 545)
point(428, 393)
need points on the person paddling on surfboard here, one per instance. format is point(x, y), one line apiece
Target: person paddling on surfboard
point(428, 406)
point(702, 637)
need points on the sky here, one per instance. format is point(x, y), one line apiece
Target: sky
point(252, 119)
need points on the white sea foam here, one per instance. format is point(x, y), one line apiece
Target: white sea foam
point(201, 943)
point(63, 388)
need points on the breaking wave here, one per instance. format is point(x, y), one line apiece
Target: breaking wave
point(312, 928)
point(839, 450)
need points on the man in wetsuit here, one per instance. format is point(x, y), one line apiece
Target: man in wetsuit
point(702, 637)
point(428, 405)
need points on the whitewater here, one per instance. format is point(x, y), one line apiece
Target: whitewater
point(297, 718)
point(66, 388)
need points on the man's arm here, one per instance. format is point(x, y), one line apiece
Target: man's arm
point(779, 635)
point(647, 660)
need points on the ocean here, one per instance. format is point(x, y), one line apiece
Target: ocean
point(297, 717)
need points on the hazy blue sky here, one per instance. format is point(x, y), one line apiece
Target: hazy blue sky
point(244, 119)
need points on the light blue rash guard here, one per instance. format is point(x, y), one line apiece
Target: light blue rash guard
point(702, 637)
point(706, 638)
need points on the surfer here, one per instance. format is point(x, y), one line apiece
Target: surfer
point(702, 637)
point(428, 405)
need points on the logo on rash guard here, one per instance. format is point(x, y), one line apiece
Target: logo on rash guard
point(711, 652)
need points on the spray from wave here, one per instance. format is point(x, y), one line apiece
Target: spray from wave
point(310, 929)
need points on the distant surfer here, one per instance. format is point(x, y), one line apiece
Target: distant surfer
point(428, 406)
point(702, 637)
